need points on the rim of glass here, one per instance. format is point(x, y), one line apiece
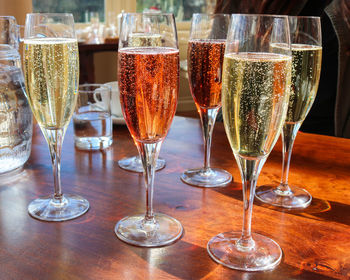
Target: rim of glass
point(210, 14)
point(7, 17)
point(305, 17)
point(261, 15)
point(149, 14)
point(94, 85)
point(50, 14)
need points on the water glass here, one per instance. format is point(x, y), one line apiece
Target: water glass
point(92, 118)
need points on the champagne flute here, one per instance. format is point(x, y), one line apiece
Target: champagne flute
point(51, 68)
point(149, 80)
point(306, 68)
point(205, 55)
point(134, 163)
point(255, 93)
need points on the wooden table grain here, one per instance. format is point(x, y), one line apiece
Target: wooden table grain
point(315, 241)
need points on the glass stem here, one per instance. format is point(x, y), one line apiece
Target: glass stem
point(149, 153)
point(289, 133)
point(54, 138)
point(208, 117)
point(250, 170)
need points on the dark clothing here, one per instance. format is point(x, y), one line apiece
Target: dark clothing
point(320, 119)
point(339, 14)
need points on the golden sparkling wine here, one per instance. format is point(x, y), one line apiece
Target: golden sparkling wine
point(51, 68)
point(255, 93)
point(306, 68)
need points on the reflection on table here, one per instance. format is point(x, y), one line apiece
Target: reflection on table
point(315, 241)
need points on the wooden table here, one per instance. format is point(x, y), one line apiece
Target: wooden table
point(86, 58)
point(315, 241)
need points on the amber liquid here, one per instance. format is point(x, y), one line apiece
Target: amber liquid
point(148, 81)
point(205, 58)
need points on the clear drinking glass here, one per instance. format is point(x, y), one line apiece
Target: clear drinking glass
point(148, 80)
point(92, 119)
point(51, 68)
point(255, 93)
point(306, 68)
point(205, 54)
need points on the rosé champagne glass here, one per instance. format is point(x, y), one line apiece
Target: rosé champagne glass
point(306, 68)
point(255, 93)
point(51, 68)
point(149, 82)
point(134, 163)
point(205, 55)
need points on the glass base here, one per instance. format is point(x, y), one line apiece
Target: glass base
point(210, 178)
point(134, 230)
point(265, 255)
point(93, 143)
point(296, 198)
point(134, 164)
point(12, 176)
point(46, 209)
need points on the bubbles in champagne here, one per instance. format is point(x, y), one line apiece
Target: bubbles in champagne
point(306, 69)
point(255, 96)
point(51, 67)
point(148, 82)
point(205, 58)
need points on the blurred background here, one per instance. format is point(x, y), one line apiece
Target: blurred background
point(97, 23)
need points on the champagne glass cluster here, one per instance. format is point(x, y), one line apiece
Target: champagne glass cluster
point(263, 70)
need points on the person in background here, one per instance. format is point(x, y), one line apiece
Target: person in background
point(330, 113)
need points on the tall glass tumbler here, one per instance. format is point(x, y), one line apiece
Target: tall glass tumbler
point(92, 120)
point(205, 55)
point(255, 93)
point(51, 68)
point(306, 68)
point(149, 83)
